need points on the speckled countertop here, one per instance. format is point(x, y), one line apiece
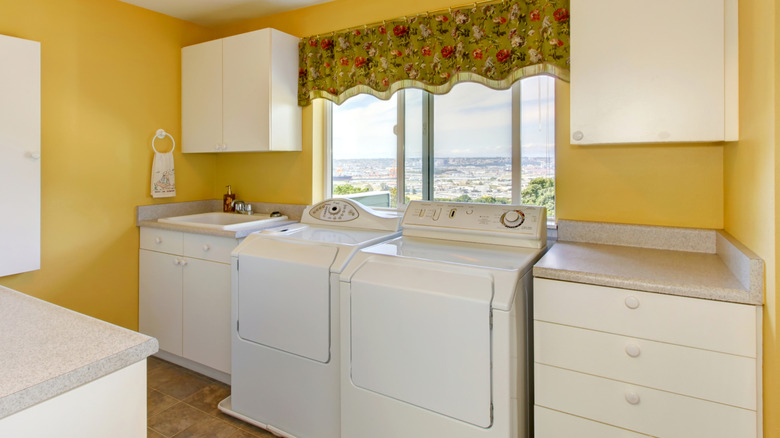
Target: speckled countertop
point(147, 215)
point(705, 264)
point(46, 350)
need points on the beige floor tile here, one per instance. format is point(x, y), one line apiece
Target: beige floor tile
point(213, 428)
point(157, 402)
point(209, 397)
point(176, 419)
point(246, 427)
point(153, 434)
point(175, 381)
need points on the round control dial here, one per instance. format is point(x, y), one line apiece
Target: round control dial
point(512, 218)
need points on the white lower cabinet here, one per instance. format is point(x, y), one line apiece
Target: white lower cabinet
point(613, 362)
point(184, 294)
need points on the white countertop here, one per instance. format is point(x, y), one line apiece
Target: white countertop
point(46, 350)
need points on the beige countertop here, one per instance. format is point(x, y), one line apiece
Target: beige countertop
point(46, 350)
point(705, 264)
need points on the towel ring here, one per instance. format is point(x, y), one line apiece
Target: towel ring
point(161, 134)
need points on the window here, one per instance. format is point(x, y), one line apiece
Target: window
point(473, 144)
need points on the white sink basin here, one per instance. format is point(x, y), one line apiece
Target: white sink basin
point(224, 221)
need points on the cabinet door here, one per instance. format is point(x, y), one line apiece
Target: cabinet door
point(206, 334)
point(201, 97)
point(160, 299)
point(647, 71)
point(247, 83)
point(20, 147)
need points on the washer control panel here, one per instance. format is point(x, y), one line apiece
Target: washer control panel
point(467, 221)
point(334, 210)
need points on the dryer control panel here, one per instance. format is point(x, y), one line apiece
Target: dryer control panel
point(341, 212)
point(511, 225)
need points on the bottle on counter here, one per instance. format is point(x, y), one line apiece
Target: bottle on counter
point(227, 201)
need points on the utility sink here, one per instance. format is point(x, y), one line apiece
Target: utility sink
point(224, 221)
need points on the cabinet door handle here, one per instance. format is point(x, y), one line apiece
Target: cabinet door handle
point(633, 350)
point(158, 240)
point(183, 262)
point(206, 247)
point(632, 302)
point(176, 261)
point(632, 398)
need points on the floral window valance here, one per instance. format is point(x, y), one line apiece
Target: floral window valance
point(493, 43)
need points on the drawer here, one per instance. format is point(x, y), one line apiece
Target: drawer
point(711, 325)
point(214, 248)
point(719, 377)
point(649, 411)
point(554, 424)
point(155, 239)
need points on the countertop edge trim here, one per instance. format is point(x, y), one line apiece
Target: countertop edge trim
point(53, 387)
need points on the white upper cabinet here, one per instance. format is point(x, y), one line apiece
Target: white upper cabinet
point(240, 94)
point(20, 152)
point(653, 71)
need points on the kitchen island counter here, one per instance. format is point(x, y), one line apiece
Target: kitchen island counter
point(47, 350)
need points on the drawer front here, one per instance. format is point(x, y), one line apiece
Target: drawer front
point(711, 325)
point(644, 410)
point(719, 377)
point(213, 248)
point(554, 424)
point(155, 239)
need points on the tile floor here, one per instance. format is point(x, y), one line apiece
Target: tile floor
point(183, 404)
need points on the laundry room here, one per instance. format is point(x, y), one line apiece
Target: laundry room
point(136, 162)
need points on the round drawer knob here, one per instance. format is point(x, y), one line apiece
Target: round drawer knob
point(183, 262)
point(158, 240)
point(578, 135)
point(632, 350)
point(206, 247)
point(176, 261)
point(632, 302)
point(632, 398)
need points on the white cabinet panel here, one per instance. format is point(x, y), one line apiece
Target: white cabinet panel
point(20, 149)
point(206, 313)
point(554, 424)
point(239, 94)
point(712, 325)
point(653, 71)
point(184, 294)
point(201, 97)
point(724, 378)
point(159, 299)
point(646, 410)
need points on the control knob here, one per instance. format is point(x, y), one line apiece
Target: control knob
point(512, 218)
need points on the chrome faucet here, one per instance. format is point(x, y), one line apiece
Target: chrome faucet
point(242, 207)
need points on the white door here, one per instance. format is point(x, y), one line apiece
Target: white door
point(20, 148)
point(206, 313)
point(160, 299)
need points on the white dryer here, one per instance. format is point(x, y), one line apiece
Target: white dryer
point(434, 325)
point(285, 316)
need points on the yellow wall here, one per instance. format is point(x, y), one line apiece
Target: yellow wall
point(750, 173)
point(110, 79)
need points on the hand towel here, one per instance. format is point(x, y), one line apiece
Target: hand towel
point(163, 175)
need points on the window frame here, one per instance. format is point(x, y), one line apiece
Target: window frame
point(428, 145)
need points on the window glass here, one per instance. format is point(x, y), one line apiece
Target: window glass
point(472, 140)
point(364, 150)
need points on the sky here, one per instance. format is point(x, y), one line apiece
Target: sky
point(470, 121)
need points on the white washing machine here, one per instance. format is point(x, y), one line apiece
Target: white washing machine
point(285, 316)
point(434, 325)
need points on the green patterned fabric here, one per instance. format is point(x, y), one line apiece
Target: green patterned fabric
point(494, 44)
